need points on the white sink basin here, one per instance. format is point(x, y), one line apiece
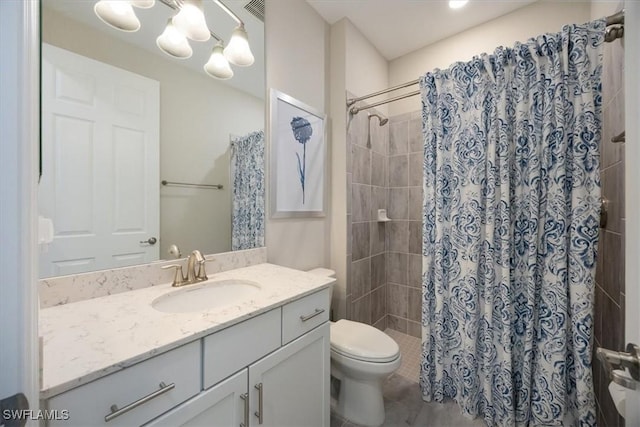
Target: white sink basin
point(206, 295)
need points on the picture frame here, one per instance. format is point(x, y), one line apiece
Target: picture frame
point(298, 158)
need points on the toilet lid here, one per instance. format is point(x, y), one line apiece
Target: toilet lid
point(362, 342)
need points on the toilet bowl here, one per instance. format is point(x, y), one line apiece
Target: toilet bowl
point(361, 359)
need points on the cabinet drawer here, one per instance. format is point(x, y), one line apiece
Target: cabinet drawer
point(299, 317)
point(137, 387)
point(232, 349)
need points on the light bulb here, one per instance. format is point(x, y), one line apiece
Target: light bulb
point(218, 66)
point(173, 42)
point(190, 20)
point(143, 4)
point(457, 4)
point(117, 13)
point(238, 51)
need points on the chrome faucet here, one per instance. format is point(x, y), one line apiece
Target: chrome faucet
point(195, 270)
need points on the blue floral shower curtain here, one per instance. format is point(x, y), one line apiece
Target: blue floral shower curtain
point(511, 210)
point(247, 175)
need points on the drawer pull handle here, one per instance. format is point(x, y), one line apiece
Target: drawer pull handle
point(115, 412)
point(259, 412)
point(318, 312)
point(245, 399)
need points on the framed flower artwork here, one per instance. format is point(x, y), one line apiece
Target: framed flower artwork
point(298, 158)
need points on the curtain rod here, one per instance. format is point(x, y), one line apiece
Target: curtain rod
point(355, 109)
point(616, 18)
point(611, 34)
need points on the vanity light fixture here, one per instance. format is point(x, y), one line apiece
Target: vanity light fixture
point(457, 4)
point(238, 51)
point(190, 23)
point(190, 20)
point(218, 66)
point(118, 14)
point(173, 42)
point(143, 4)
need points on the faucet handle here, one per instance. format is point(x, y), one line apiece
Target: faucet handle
point(202, 272)
point(178, 278)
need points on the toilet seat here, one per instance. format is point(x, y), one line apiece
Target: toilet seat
point(362, 342)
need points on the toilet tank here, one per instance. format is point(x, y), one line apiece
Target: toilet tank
point(323, 272)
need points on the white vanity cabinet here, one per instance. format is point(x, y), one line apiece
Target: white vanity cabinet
point(223, 405)
point(287, 388)
point(290, 387)
point(270, 370)
point(237, 347)
point(283, 358)
point(134, 395)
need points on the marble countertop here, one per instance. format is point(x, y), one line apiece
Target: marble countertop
point(86, 340)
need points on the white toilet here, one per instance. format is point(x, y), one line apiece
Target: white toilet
point(361, 359)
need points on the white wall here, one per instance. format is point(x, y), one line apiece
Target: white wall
point(339, 160)
point(357, 67)
point(19, 113)
point(366, 69)
point(197, 114)
point(601, 8)
point(537, 18)
point(632, 191)
point(297, 43)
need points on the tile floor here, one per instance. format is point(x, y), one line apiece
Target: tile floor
point(402, 398)
point(410, 348)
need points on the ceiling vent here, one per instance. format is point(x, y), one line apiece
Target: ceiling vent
point(256, 8)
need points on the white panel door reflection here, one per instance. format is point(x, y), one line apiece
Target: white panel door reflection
point(100, 164)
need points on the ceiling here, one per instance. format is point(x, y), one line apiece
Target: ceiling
point(397, 27)
point(248, 79)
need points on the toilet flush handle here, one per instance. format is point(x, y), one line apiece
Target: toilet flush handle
point(629, 360)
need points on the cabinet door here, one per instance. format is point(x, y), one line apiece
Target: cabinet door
point(294, 383)
point(220, 406)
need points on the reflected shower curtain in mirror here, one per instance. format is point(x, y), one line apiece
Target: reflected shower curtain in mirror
point(511, 210)
point(247, 175)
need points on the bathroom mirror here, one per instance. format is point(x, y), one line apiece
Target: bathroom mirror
point(105, 94)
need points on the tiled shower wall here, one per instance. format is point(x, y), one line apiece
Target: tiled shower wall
point(404, 232)
point(366, 193)
point(610, 286)
point(384, 259)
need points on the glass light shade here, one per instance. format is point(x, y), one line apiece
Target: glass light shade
point(117, 13)
point(238, 51)
point(457, 4)
point(173, 42)
point(143, 4)
point(218, 66)
point(190, 20)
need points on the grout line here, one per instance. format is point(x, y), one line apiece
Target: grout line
point(610, 297)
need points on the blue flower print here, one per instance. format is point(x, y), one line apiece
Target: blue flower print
point(302, 132)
